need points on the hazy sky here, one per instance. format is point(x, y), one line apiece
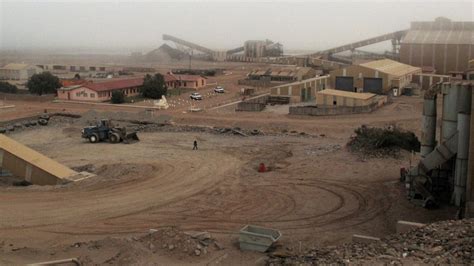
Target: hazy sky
point(219, 25)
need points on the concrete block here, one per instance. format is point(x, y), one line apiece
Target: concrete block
point(364, 239)
point(404, 226)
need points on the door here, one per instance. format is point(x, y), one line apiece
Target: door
point(345, 83)
point(373, 85)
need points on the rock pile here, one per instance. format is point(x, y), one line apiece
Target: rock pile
point(447, 242)
point(178, 243)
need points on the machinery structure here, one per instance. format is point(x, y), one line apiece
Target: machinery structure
point(443, 45)
point(442, 173)
point(213, 55)
point(106, 131)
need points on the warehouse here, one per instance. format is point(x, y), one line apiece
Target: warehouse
point(380, 77)
point(331, 97)
point(301, 91)
point(18, 71)
point(443, 44)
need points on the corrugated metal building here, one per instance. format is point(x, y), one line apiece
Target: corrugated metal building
point(470, 70)
point(301, 91)
point(443, 44)
point(426, 80)
point(380, 76)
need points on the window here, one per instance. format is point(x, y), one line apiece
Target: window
point(334, 102)
point(78, 94)
point(92, 95)
point(185, 84)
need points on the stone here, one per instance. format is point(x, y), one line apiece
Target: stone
point(171, 247)
point(404, 226)
point(364, 239)
point(218, 245)
point(197, 252)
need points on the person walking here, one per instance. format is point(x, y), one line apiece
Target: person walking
point(195, 147)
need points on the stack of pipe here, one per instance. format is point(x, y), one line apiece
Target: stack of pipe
point(428, 132)
point(463, 128)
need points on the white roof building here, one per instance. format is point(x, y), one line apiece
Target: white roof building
point(16, 71)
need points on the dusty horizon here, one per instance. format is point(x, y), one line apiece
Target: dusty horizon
point(121, 27)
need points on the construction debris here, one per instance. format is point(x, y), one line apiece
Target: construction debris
point(381, 142)
point(447, 242)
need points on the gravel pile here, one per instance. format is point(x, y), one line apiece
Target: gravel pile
point(179, 243)
point(447, 242)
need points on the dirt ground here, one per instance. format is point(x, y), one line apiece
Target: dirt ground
point(317, 193)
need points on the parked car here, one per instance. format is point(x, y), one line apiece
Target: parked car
point(196, 96)
point(219, 89)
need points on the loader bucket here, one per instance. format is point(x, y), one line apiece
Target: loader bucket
point(131, 138)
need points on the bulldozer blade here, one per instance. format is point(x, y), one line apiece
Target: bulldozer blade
point(131, 137)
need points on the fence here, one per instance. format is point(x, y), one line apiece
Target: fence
point(26, 97)
point(255, 83)
point(253, 105)
point(331, 110)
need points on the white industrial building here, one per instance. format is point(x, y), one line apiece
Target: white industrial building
point(18, 71)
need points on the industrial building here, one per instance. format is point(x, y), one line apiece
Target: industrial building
point(301, 91)
point(470, 70)
point(259, 48)
point(60, 68)
point(188, 81)
point(288, 74)
point(427, 80)
point(445, 172)
point(18, 71)
point(380, 77)
point(442, 44)
point(331, 97)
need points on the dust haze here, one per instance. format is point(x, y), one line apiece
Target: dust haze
point(121, 27)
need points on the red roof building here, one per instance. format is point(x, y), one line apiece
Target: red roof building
point(102, 91)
